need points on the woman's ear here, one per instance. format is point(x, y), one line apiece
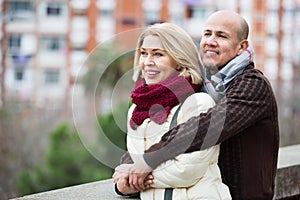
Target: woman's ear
point(243, 47)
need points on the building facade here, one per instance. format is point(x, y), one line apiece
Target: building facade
point(45, 42)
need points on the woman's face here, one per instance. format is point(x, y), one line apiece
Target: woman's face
point(156, 65)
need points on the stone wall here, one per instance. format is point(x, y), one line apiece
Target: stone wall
point(288, 173)
point(287, 183)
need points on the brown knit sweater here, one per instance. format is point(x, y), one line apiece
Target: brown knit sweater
point(245, 122)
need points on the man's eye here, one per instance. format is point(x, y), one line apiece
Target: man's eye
point(223, 36)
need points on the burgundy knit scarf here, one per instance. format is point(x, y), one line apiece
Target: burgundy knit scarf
point(156, 101)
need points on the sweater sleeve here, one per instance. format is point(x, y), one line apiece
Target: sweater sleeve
point(245, 102)
point(187, 169)
point(126, 158)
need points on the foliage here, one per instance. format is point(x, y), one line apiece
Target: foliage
point(67, 163)
point(23, 133)
point(113, 131)
point(105, 67)
point(8, 153)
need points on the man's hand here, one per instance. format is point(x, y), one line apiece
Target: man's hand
point(139, 174)
point(124, 187)
point(121, 171)
point(120, 177)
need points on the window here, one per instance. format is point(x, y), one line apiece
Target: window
point(151, 17)
point(52, 43)
point(78, 47)
point(54, 9)
point(128, 21)
point(14, 43)
point(20, 10)
point(19, 74)
point(106, 13)
point(197, 12)
point(51, 76)
point(19, 5)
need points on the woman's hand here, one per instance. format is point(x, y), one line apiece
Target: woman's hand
point(121, 172)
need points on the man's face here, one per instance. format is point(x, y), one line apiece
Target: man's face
point(219, 43)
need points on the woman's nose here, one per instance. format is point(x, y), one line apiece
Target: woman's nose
point(149, 60)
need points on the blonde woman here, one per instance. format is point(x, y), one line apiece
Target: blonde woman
point(168, 78)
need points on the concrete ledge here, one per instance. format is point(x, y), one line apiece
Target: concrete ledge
point(100, 190)
point(287, 183)
point(288, 173)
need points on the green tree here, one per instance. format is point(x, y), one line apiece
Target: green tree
point(105, 67)
point(67, 163)
point(113, 131)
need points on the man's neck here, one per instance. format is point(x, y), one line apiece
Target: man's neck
point(214, 70)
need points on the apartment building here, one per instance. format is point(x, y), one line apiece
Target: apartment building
point(44, 42)
point(35, 50)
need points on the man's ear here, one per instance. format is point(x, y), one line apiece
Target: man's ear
point(243, 46)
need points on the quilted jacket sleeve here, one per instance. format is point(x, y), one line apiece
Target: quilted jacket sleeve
point(186, 169)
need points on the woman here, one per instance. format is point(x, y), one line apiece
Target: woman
point(167, 75)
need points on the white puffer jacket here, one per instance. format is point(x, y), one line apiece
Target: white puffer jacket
point(193, 175)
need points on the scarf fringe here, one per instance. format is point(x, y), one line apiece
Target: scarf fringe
point(220, 82)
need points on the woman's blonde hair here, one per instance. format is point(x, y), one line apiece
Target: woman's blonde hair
point(178, 44)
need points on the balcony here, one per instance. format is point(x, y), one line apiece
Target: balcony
point(21, 22)
point(80, 4)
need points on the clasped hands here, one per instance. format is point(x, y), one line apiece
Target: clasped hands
point(133, 178)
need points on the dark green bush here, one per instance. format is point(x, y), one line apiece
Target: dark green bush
point(67, 162)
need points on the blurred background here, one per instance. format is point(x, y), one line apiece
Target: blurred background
point(49, 47)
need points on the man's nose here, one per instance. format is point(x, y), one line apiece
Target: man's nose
point(211, 40)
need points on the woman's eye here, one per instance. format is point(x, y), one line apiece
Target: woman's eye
point(143, 53)
point(158, 54)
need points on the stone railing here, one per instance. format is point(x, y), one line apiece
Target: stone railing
point(288, 173)
point(287, 183)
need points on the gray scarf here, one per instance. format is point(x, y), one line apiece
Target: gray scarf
point(217, 84)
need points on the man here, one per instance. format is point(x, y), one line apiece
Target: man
point(244, 120)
